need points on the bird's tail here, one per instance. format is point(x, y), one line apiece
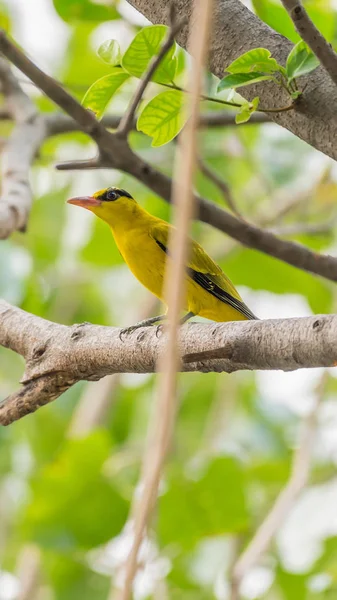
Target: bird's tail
point(248, 313)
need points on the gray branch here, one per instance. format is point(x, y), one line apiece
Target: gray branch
point(58, 356)
point(313, 37)
point(58, 123)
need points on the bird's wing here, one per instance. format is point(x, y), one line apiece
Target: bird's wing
point(204, 271)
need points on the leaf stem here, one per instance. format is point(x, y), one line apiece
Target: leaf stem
point(203, 96)
point(276, 110)
point(234, 104)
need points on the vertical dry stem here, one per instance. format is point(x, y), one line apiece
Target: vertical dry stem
point(160, 429)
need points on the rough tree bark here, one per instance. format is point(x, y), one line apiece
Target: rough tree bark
point(235, 31)
point(58, 356)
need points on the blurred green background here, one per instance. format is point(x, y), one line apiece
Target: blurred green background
point(67, 475)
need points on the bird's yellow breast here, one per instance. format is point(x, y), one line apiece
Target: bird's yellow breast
point(144, 258)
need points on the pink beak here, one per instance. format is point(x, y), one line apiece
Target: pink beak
point(85, 201)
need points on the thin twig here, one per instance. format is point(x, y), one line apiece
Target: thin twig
point(312, 36)
point(221, 184)
point(285, 501)
point(82, 165)
point(28, 572)
point(161, 427)
point(127, 120)
point(305, 228)
point(58, 123)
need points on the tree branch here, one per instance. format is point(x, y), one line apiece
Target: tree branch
point(58, 356)
point(313, 37)
point(236, 30)
point(18, 154)
point(58, 123)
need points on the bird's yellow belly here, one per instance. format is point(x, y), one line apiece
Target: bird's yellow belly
point(148, 266)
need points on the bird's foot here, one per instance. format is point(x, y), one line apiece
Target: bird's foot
point(128, 330)
point(145, 323)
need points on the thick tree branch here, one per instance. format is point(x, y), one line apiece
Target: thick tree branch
point(18, 154)
point(58, 356)
point(116, 153)
point(313, 37)
point(236, 30)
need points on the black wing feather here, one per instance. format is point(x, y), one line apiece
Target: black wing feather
point(205, 281)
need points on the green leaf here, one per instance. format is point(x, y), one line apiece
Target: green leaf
point(110, 52)
point(46, 226)
point(214, 504)
point(300, 61)
point(143, 47)
point(256, 60)
point(293, 585)
point(321, 13)
point(75, 479)
point(276, 17)
point(241, 79)
point(78, 51)
point(100, 251)
point(84, 10)
point(243, 115)
point(163, 117)
point(246, 111)
point(262, 272)
point(100, 93)
point(72, 578)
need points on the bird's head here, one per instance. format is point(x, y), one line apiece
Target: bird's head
point(106, 203)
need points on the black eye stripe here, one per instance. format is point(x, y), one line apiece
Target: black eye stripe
point(124, 193)
point(112, 194)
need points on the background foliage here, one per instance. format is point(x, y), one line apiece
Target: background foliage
point(70, 495)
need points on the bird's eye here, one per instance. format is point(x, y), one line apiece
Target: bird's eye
point(111, 195)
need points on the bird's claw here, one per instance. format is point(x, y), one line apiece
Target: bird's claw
point(127, 331)
point(159, 330)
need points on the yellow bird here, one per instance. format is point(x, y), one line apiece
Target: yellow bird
point(142, 240)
